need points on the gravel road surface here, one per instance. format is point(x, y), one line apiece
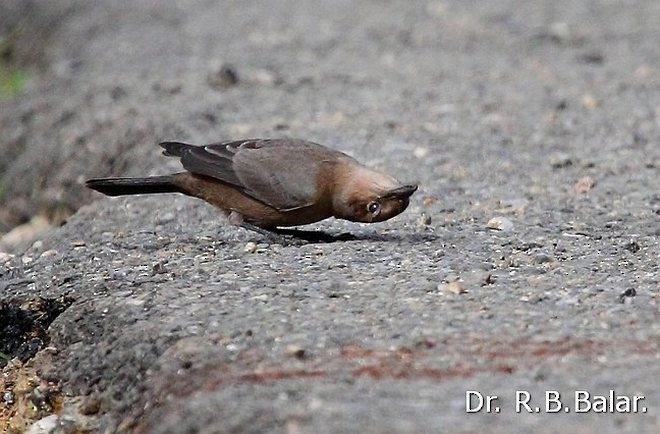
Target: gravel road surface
point(527, 261)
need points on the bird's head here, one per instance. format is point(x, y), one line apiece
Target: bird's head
point(370, 197)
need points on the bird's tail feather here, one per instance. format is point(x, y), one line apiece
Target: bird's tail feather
point(125, 186)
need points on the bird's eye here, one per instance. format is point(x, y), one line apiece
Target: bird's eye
point(373, 207)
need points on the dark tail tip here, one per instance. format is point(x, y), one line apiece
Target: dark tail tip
point(124, 186)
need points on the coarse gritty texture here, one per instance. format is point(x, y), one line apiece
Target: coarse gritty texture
point(544, 114)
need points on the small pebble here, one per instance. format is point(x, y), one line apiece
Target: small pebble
point(633, 247)
point(626, 296)
point(428, 201)
point(423, 220)
point(584, 184)
point(455, 287)
point(8, 397)
point(560, 31)
point(590, 102)
point(451, 277)
point(226, 76)
point(421, 152)
point(561, 160)
point(536, 298)
point(48, 253)
point(295, 351)
point(500, 224)
point(158, 268)
point(264, 77)
point(250, 247)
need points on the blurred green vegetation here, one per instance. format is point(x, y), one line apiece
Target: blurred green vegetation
point(12, 77)
point(11, 80)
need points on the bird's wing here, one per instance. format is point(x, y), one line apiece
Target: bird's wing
point(281, 173)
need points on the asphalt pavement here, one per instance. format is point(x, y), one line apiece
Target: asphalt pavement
point(527, 262)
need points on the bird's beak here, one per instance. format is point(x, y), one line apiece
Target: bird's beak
point(402, 192)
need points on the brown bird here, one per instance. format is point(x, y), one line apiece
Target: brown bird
point(264, 184)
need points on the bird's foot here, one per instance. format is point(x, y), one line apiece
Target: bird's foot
point(273, 236)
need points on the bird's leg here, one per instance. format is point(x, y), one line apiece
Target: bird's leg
point(288, 237)
point(274, 237)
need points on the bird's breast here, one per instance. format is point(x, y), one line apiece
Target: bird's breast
point(228, 198)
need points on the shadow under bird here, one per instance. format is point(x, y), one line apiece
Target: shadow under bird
point(264, 184)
